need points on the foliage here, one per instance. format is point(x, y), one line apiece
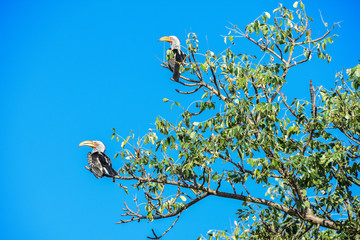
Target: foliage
point(303, 154)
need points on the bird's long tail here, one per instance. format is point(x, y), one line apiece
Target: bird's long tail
point(176, 72)
point(111, 172)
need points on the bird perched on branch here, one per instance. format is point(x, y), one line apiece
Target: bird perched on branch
point(99, 162)
point(174, 55)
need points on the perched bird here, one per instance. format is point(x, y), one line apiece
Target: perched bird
point(174, 55)
point(99, 162)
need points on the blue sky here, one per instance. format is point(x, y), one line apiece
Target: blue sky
point(72, 70)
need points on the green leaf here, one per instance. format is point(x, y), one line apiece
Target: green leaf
point(291, 48)
point(328, 58)
point(286, 48)
point(265, 30)
point(295, 5)
point(323, 46)
point(165, 100)
point(267, 15)
point(264, 19)
point(216, 177)
point(204, 95)
point(303, 7)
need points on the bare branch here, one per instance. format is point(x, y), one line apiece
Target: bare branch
point(189, 92)
point(215, 79)
point(185, 84)
point(313, 41)
point(158, 237)
point(348, 135)
point(287, 106)
point(197, 67)
point(302, 61)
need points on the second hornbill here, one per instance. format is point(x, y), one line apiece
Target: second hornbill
point(99, 162)
point(174, 55)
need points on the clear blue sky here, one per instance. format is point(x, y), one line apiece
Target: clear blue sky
point(72, 70)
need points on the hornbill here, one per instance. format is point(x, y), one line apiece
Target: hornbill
point(99, 162)
point(174, 55)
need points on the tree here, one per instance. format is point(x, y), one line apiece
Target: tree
point(303, 154)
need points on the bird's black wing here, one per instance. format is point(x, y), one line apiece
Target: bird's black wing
point(106, 163)
point(95, 165)
point(180, 59)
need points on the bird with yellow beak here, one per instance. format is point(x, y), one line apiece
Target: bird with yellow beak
point(99, 163)
point(174, 55)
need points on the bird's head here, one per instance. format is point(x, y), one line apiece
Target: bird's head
point(96, 145)
point(173, 40)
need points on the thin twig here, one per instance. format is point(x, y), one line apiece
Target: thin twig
point(158, 237)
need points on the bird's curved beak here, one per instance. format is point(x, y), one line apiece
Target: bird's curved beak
point(165, 39)
point(87, 143)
